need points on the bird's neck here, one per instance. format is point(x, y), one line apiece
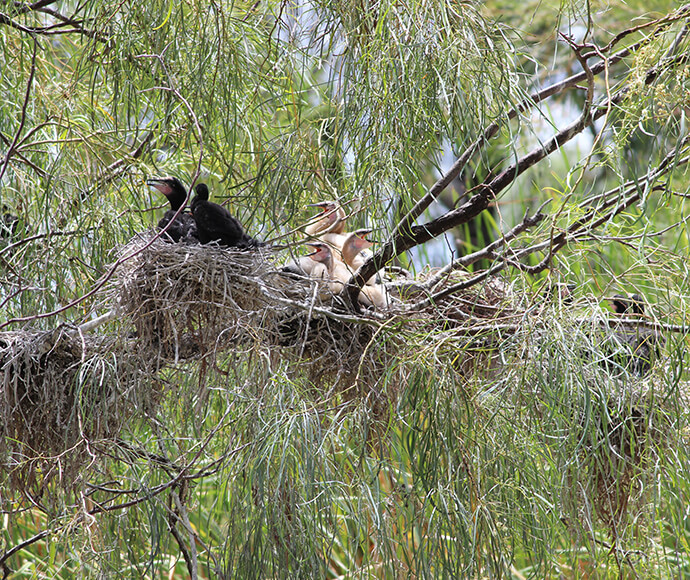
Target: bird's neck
point(350, 251)
point(177, 200)
point(339, 226)
point(328, 262)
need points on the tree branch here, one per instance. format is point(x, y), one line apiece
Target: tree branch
point(407, 236)
point(42, 7)
point(22, 119)
point(489, 251)
point(179, 514)
point(526, 104)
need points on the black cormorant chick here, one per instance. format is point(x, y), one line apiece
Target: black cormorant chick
point(8, 224)
point(635, 349)
point(183, 229)
point(214, 223)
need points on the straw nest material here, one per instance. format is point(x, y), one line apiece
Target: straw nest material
point(62, 392)
point(65, 391)
point(189, 301)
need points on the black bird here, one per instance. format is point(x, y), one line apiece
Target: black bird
point(624, 305)
point(8, 224)
point(183, 229)
point(634, 349)
point(214, 223)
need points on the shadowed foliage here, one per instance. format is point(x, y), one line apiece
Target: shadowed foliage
point(179, 409)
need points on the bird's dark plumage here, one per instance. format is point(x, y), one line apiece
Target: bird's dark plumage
point(635, 349)
point(8, 224)
point(183, 228)
point(216, 224)
point(624, 305)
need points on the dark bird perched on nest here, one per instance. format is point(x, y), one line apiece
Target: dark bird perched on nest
point(183, 227)
point(8, 224)
point(634, 349)
point(216, 224)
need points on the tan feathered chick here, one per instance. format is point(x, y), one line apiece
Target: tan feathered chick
point(330, 225)
point(339, 275)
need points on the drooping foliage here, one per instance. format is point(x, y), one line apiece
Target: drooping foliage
point(185, 409)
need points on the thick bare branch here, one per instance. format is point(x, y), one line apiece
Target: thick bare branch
point(549, 91)
point(404, 239)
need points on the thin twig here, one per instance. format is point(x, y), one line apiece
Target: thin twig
point(486, 192)
point(25, 105)
point(489, 251)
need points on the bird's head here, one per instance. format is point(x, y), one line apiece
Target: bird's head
point(202, 191)
point(360, 240)
point(324, 206)
point(332, 216)
point(167, 185)
point(322, 253)
point(170, 187)
point(354, 243)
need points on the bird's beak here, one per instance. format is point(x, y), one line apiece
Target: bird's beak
point(363, 234)
point(320, 205)
point(159, 184)
point(317, 249)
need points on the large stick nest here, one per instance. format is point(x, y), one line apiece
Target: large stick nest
point(187, 300)
point(191, 300)
point(62, 392)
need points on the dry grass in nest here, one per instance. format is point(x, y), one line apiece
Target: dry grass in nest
point(338, 357)
point(190, 300)
point(187, 300)
point(61, 392)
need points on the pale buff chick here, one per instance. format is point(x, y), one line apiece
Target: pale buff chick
point(339, 275)
point(331, 221)
point(316, 264)
point(355, 252)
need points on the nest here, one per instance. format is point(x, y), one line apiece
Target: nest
point(61, 393)
point(186, 300)
point(190, 301)
point(63, 390)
